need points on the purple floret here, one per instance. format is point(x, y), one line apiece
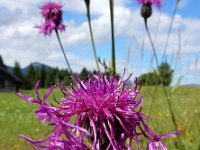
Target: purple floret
point(157, 3)
point(108, 114)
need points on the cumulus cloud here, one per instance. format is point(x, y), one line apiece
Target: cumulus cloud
point(21, 42)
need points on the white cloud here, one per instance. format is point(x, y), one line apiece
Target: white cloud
point(20, 41)
point(183, 3)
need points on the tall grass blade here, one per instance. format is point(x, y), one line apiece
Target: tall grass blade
point(169, 31)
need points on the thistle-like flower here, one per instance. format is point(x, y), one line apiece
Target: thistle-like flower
point(108, 115)
point(52, 14)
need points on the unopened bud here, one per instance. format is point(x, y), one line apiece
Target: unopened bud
point(146, 10)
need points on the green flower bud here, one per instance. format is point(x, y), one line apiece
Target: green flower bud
point(146, 10)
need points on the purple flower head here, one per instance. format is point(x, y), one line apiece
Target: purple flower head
point(52, 14)
point(157, 3)
point(108, 114)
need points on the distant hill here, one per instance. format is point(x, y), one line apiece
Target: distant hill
point(190, 85)
point(35, 65)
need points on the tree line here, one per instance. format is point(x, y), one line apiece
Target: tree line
point(161, 76)
point(47, 75)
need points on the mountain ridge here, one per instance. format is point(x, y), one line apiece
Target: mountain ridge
point(35, 65)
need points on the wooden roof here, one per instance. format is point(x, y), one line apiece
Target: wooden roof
point(10, 76)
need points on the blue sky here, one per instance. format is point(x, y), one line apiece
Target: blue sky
point(21, 42)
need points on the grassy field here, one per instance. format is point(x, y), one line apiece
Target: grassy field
point(16, 117)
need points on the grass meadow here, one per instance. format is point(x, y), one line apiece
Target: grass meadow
point(16, 117)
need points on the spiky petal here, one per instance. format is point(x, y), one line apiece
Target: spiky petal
point(108, 111)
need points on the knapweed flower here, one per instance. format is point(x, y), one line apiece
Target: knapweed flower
point(52, 14)
point(157, 3)
point(146, 9)
point(108, 114)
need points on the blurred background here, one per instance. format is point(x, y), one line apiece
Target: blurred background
point(26, 56)
point(21, 42)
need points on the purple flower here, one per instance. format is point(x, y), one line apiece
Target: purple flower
point(108, 113)
point(52, 14)
point(157, 3)
point(156, 144)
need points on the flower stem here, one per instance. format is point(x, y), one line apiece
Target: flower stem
point(91, 33)
point(161, 79)
point(113, 65)
point(151, 41)
point(61, 46)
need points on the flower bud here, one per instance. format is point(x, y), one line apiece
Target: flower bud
point(146, 10)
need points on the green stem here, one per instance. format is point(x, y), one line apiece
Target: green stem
point(151, 41)
point(113, 65)
point(169, 31)
point(152, 59)
point(61, 46)
point(91, 33)
point(161, 79)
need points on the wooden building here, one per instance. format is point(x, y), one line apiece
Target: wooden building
point(8, 81)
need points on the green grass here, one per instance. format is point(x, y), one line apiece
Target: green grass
point(185, 102)
point(16, 117)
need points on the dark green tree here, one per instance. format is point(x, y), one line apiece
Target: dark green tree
point(30, 78)
point(41, 75)
point(68, 78)
point(166, 74)
point(61, 75)
point(17, 70)
point(84, 74)
point(162, 76)
point(51, 76)
point(55, 75)
point(150, 78)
